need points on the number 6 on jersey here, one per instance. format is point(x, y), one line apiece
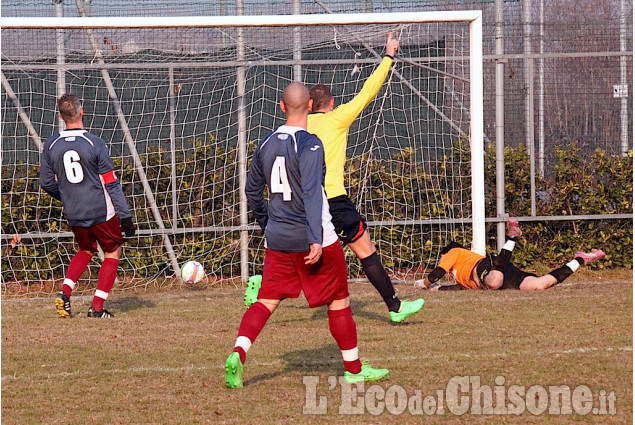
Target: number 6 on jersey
point(74, 171)
point(279, 180)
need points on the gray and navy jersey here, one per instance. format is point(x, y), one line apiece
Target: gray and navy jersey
point(290, 162)
point(76, 168)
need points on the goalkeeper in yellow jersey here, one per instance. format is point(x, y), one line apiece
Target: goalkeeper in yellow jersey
point(331, 125)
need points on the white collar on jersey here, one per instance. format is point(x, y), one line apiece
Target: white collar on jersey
point(74, 132)
point(289, 129)
point(286, 129)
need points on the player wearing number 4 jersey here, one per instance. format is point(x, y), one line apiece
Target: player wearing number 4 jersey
point(303, 253)
point(76, 169)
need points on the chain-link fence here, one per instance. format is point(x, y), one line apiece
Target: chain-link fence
point(569, 60)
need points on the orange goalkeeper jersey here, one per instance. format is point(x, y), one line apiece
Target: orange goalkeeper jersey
point(332, 128)
point(460, 263)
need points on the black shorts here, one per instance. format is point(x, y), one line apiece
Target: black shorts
point(512, 275)
point(349, 224)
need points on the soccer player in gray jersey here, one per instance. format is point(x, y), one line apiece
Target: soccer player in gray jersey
point(76, 168)
point(303, 252)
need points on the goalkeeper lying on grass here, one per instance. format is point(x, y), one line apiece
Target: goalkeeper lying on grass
point(474, 271)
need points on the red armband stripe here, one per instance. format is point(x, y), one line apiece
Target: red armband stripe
point(109, 177)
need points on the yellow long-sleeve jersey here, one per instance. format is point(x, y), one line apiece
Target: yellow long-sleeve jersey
point(332, 128)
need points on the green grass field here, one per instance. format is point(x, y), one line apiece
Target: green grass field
point(161, 360)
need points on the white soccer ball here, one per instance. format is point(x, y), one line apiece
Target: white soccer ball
point(192, 272)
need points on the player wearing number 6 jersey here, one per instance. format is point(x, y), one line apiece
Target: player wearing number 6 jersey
point(303, 253)
point(76, 168)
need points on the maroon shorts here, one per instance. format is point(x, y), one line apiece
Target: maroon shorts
point(108, 234)
point(285, 275)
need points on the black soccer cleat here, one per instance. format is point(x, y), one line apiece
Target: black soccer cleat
point(63, 305)
point(104, 314)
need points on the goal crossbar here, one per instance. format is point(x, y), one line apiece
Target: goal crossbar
point(239, 21)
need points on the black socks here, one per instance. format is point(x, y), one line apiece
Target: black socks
point(501, 261)
point(565, 271)
point(377, 275)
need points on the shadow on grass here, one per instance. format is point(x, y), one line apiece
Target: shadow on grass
point(320, 313)
point(326, 359)
point(132, 303)
point(359, 310)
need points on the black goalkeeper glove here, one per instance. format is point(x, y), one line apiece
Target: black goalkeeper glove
point(127, 226)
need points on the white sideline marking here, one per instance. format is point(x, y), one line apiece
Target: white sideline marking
point(581, 350)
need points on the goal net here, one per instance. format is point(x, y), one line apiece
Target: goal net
point(182, 105)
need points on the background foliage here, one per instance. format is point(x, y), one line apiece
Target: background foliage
point(602, 184)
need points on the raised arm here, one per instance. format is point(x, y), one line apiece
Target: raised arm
point(347, 112)
point(392, 45)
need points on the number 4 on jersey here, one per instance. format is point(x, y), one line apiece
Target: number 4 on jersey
point(279, 180)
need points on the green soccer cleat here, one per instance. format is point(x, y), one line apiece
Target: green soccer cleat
point(253, 287)
point(408, 308)
point(367, 374)
point(234, 371)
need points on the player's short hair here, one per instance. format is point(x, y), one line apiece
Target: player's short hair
point(321, 96)
point(70, 107)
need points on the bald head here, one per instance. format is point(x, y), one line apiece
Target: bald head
point(296, 99)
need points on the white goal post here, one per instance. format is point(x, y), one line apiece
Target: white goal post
point(105, 68)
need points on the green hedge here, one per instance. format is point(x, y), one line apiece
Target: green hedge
point(601, 184)
point(207, 196)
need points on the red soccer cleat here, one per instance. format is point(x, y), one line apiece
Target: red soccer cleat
point(513, 229)
point(590, 257)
